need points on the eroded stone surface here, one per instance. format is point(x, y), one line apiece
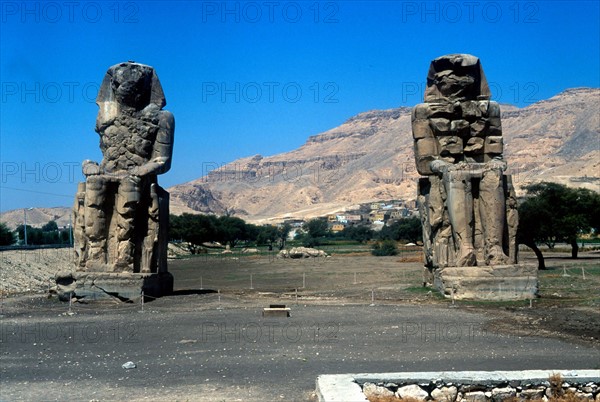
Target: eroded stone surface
point(412, 391)
point(301, 252)
point(121, 213)
point(468, 205)
point(500, 394)
point(445, 394)
point(475, 396)
point(468, 208)
point(375, 391)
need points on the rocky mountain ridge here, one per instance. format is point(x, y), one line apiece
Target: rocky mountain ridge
point(369, 157)
point(37, 217)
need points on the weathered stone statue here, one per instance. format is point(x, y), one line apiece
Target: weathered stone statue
point(467, 203)
point(121, 213)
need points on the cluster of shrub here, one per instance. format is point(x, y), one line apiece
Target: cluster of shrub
point(230, 230)
point(550, 213)
point(199, 229)
point(50, 233)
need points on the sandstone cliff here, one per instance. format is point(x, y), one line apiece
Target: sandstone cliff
point(370, 157)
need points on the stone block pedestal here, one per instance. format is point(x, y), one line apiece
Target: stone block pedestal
point(125, 287)
point(499, 283)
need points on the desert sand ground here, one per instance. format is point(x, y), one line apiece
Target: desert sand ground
point(350, 313)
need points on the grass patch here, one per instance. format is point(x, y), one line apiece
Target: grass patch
point(420, 289)
point(494, 303)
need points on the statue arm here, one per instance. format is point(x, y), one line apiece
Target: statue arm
point(425, 144)
point(90, 168)
point(163, 148)
point(439, 166)
point(497, 163)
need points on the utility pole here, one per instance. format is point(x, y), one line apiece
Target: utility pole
point(25, 225)
point(70, 229)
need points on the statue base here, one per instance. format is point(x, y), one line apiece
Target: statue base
point(496, 283)
point(102, 286)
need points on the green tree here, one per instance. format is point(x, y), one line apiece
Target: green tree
point(267, 234)
point(359, 233)
point(197, 229)
point(252, 232)
point(7, 237)
point(384, 248)
point(315, 231)
point(409, 230)
point(531, 213)
point(555, 213)
point(283, 231)
point(50, 227)
point(47, 234)
point(231, 229)
point(270, 235)
point(35, 236)
point(65, 237)
point(192, 228)
point(50, 237)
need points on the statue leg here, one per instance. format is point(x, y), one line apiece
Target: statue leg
point(95, 219)
point(163, 229)
point(512, 220)
point(459, 203)
point(422, 201)
point(78, 228)
point(493, 213)
point(128, 197)
point(152, 234)
point(442, 246)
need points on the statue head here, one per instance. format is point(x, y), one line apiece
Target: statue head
point(456, 77)
point(132, 85)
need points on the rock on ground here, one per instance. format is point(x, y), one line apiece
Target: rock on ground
point(301, 252)
point(412, 391)
point(375, 391)
point(444, 394)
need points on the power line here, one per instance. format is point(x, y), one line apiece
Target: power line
point(36, 192)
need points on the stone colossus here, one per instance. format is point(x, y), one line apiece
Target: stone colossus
point(467, 203)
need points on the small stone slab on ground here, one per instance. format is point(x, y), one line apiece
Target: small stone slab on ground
point(276, 310)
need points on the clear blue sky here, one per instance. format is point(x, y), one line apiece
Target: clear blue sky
point(245, 78)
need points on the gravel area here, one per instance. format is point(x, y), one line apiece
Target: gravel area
point(210, 342)
point(32, 270)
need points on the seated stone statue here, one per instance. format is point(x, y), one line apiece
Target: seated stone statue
point(467, 203)
point(121, 213)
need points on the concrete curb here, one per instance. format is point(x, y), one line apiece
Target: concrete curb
point(344, 387)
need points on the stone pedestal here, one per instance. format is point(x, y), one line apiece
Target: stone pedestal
point(499, 283)
point(125, 287)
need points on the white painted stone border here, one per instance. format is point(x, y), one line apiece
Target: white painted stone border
point(345, 388)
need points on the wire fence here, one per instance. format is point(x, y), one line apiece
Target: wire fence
point(338, 279)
